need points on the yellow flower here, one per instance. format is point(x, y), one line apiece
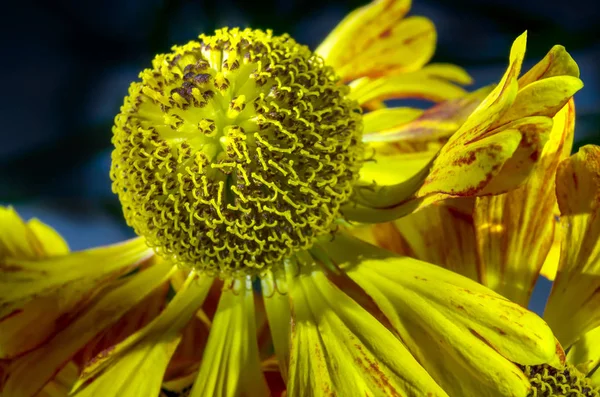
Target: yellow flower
point(550, 226)
point(237, 158)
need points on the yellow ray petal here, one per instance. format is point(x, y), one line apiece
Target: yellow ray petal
point(435, 82)
point(418, 235)
point(23, 280)
point(405, 124)
point(585, 353)
point(279, 317)
point(387, 170)
point(515, 230)
point(576, 290)
point(557, 62)
point(542, 98)
point(456, 162)
point(40, 297)
point(380, 15)
point(550, 265)
point(52, 242)
point(186, 360)
point(17, 239)
point(387, 118)
point(374, 40)
point(27, 374)
point(466, 336)
point(230, 365)
point(135, 319)
point(338, 348)
point(407, 141)
point(487, 155)
point(406, 46)
point(136, 366)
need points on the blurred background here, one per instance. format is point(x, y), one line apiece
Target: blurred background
point(66, 66)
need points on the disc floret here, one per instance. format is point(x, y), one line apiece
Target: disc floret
point(235, 151)
point(566, 382)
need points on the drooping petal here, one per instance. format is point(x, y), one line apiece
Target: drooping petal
point(40, 296)
point(576, 290)
point(230, 365)
point(27, 374)
point(134, 320)
point(338, 348)
point(23, 280)
point(493, 152)
point(515, 230)
point(136, 366)
point(585, 354)
point(374, 40)
point(435, 82)
point(279, 316)
point(185, 362)
point(466, 336)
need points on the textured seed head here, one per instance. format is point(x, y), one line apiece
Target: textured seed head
point(547, 381)
point(235, 151)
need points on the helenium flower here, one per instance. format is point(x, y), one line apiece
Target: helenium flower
point(244, 161)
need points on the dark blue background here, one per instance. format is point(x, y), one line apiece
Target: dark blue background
point(66, 66)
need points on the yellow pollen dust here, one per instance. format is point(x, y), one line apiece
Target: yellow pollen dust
point(235, 151)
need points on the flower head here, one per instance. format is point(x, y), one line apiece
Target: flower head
point(236, 151)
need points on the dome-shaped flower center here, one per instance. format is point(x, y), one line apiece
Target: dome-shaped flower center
point(235, 151)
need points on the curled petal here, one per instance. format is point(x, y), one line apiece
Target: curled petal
point(405, 140)
point(493, 152)
point(557, 62)
point(52, 243)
